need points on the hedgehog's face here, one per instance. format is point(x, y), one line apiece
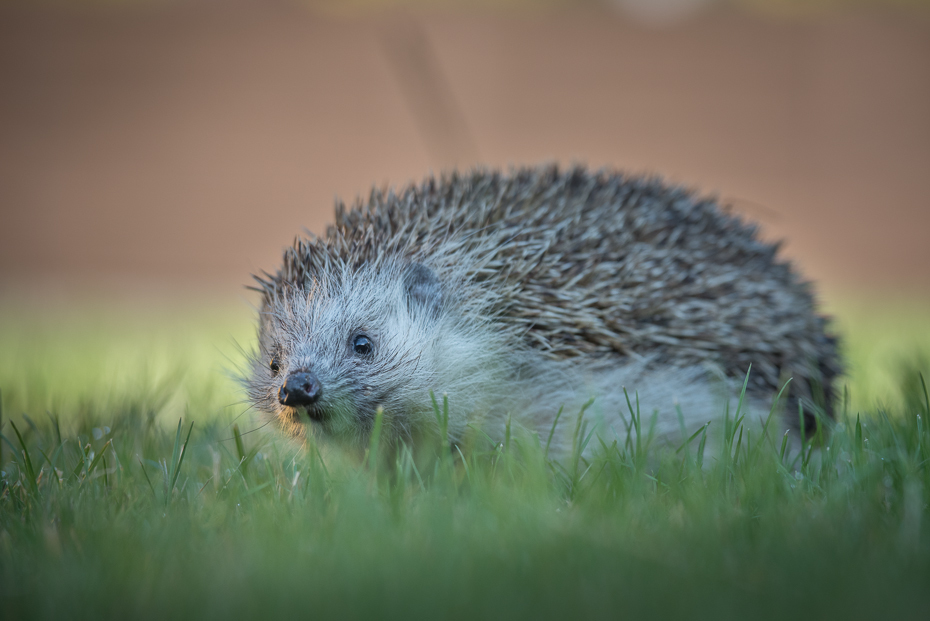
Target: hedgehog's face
point(330, 355)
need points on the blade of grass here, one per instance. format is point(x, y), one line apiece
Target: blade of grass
point(375, 439)
point(442, 419)
point(742, 393)
point(858, 434)
point(765, 425)
point(27, 461)
point(507, 434)
point(693, 436)
point(464, 464)
point(240, 448)
point(180, 452)
point(96, 460)
point(552, 431)
point(148, 480)
point(923, 384)
point(175, 454)
point(701, 445)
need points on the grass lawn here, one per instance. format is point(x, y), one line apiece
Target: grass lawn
point(110, 508)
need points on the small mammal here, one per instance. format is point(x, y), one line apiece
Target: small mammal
point(517, 294)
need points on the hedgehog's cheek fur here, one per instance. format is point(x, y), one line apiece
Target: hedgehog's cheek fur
point(443, 363)
point(422, 343)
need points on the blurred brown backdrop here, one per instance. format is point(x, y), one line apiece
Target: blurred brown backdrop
point(188, 142)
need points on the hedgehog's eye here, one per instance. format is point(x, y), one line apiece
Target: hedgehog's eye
point(275, 365)
point(362, 345)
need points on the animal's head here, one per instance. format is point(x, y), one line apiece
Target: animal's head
point(347, 340)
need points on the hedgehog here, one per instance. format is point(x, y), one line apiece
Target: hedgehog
point(516, 296)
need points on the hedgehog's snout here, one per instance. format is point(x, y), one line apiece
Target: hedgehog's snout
point(300, 388)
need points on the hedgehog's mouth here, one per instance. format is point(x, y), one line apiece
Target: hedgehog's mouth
point(315, 414)
point(318, 417)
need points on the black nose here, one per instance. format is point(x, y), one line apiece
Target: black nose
point(300, 388)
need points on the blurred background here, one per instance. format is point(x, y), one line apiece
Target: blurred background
point(154, 153)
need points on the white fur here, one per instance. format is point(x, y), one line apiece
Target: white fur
point(681, 400)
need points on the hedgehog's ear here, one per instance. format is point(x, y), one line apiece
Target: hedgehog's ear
point(423, 288)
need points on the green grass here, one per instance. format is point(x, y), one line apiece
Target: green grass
point(111, 508)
